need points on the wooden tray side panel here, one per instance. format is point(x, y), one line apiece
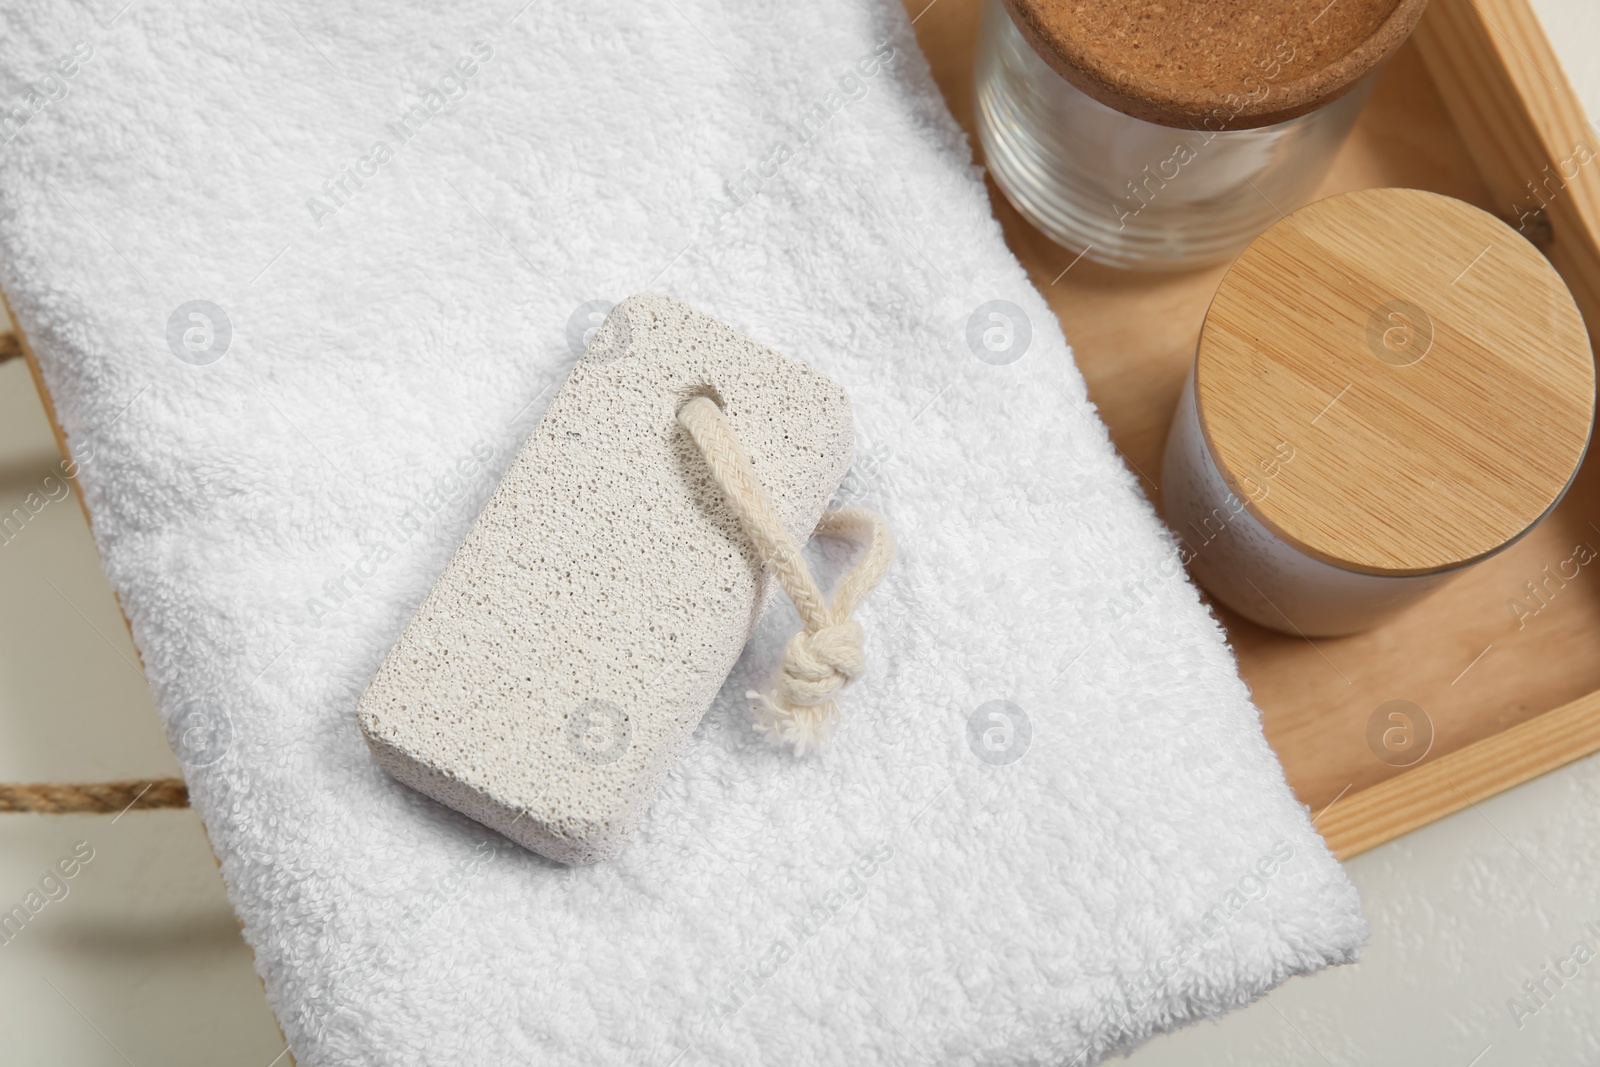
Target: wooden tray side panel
point(1364, 820)
point(1518, 114)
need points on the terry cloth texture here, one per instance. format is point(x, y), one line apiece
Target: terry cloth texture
point(303, 276)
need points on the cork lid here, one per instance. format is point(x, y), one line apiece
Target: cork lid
point(1215, 64)
point(1395, 382)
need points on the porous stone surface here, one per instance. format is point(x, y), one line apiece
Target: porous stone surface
point(551, 677)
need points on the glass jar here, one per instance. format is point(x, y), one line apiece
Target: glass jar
point(1421, 402)
point(1188, 190)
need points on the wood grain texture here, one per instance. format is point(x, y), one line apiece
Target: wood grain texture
point(1526, 129)
point(1426, 365)
point(1510, 639)
point(1360, 821)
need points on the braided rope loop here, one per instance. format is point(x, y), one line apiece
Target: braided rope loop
point(799, 708)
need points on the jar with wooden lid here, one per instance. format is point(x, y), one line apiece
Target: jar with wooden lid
point(1390, 386)
point(1165, 137)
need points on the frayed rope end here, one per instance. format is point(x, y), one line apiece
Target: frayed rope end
point(805, 728)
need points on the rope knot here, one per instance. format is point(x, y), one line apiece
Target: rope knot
point(826, 655)
point(818, 664)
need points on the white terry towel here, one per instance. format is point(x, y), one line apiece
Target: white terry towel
point(404, 211)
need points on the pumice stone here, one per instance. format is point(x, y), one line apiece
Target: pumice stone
point(549, 680)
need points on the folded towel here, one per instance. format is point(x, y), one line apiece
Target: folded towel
point(302, 276)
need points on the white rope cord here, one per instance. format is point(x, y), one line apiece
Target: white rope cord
point(826, 655)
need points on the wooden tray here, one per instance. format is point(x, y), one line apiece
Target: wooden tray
point(1475, 106)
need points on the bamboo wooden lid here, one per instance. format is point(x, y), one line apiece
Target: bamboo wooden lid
point(1425, 364)
point(1214, 64)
